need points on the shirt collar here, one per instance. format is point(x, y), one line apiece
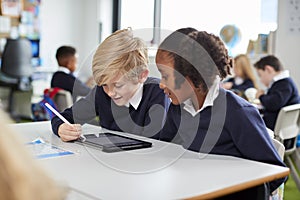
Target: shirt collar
point(64, 69)
point(282, 75)
point(135, 100)
point(212, 94)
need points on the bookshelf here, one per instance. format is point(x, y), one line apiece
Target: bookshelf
point(20, 18)
point(263, 45)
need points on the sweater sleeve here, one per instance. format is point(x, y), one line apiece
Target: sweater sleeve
point(277, 96)
point(56, 121)
point(81, 112)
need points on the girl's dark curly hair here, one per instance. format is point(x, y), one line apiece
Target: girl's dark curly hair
point(198, 55)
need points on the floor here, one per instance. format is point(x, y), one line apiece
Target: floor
point(290, 190)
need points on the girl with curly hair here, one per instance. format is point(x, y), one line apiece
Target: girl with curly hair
point(204, 117)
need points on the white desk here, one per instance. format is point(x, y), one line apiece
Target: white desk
point(165, 171)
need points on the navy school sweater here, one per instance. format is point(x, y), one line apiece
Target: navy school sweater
point(70, 83)
point(147, 120)
point(230, 127)
point(242, 87)
point(282, 93)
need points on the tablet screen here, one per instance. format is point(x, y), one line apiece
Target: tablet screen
point(113, 142)
point(108, 139)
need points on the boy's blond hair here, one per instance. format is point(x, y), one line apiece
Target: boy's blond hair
point(120, 53)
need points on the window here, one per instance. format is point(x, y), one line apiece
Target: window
point(251, 17)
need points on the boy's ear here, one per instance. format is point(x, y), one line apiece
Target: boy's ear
point(143, 76)
point(269, 68)
point(68, 63)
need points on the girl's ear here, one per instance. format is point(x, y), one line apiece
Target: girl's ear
point(143, 76)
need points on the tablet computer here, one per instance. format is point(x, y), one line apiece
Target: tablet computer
point(110, 142)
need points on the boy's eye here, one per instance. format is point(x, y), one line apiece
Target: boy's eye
point(118, 86)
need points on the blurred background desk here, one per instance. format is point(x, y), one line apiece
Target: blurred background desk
point(165, 171)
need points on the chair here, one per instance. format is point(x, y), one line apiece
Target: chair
point(286, 131)
point(278, 193)
point(279, 147)
point(16, 71)
point(63, 99)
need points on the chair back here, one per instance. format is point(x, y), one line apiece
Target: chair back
point(287, 127)
point(279, 147)
point(16, 58)
point(63, 99)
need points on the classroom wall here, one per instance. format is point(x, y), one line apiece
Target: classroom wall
point(77, 23)
point(105, 17)
point(68, 22)
point(82, 24)
point(287, 45)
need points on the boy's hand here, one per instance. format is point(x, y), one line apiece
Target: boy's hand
point(69, 132)
point(259, 93)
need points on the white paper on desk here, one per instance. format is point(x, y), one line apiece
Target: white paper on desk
point(42, 149)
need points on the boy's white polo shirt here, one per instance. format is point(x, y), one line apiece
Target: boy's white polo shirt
point(282, 75)
point(64, 69)
point(136, 99)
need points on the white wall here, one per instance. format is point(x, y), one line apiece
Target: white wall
point(68, 22)
point(75, 23)
point(59, 26)
point(105, 16)
point(287, 46)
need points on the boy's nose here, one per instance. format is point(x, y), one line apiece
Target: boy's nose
point(111, 93)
